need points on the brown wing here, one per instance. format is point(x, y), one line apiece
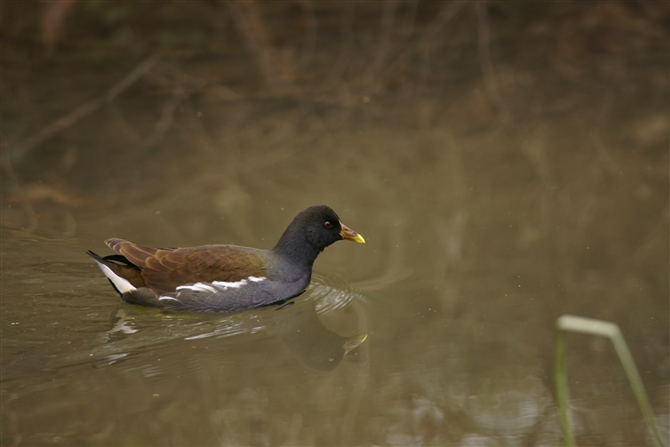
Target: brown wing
point(164, 270)
point(136, 254)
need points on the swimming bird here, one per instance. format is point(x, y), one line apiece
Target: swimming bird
point(224, 278)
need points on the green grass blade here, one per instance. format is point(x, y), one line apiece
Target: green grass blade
point(562, 391)
point(572, 323)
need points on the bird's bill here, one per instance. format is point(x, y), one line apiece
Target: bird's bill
point(350, 235)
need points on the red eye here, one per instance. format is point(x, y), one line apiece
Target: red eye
point(327, 224)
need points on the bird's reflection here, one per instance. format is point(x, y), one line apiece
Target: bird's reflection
point(313, 344)
point(296, 323)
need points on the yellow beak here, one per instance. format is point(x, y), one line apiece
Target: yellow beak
point(350, 235)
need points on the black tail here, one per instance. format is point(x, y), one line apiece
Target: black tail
point(121, 267)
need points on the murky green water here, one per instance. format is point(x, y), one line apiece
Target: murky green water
point(487, 214)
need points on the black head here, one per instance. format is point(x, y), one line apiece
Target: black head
point(312, 230)
point(320, 225)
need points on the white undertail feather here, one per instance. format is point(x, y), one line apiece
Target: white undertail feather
point(122, 285)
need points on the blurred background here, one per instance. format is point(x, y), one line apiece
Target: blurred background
point(507, 162)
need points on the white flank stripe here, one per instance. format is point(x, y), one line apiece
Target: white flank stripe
point(199, 287)
point(167, 298)
point(123, 285)
point(237, 284)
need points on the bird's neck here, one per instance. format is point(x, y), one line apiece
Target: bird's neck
point(294, 247)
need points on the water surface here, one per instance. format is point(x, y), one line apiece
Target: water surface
point(488, 209)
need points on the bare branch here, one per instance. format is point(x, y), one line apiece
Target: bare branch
point(30, 143)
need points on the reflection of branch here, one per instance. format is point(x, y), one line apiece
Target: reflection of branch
point(310, 33)
point(346, 28)
point(53, 16)
point(430, 34)
point(485, 58)
point(182, 85)
point(388, 16)
point(249, 22)
point(8, 172)
point(118, 121)
point(167, 117)
point(71, 118)
point(447, 13)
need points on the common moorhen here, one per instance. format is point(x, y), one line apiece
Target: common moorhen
point(224, 278)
